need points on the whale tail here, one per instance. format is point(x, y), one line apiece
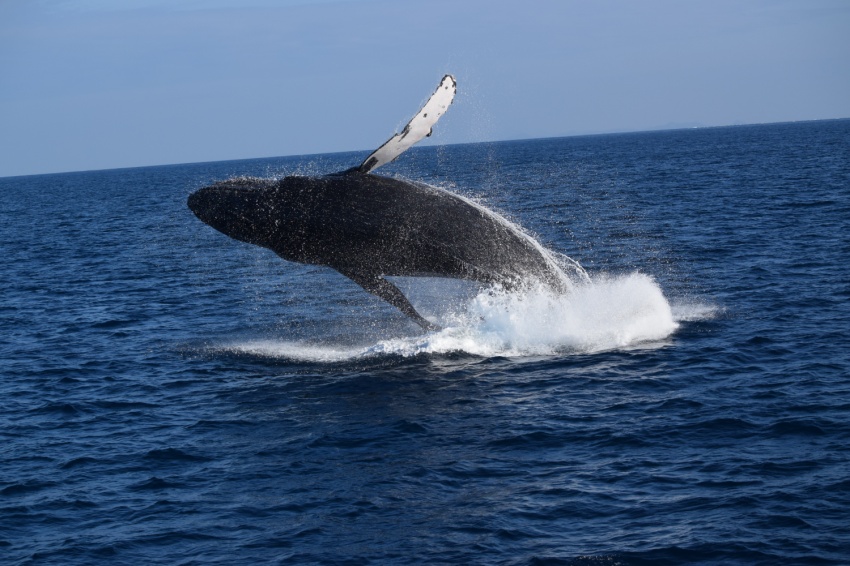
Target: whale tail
point(418, 128)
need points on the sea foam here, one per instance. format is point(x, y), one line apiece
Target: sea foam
point(606, 313)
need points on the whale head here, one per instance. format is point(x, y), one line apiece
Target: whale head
point(246, 209)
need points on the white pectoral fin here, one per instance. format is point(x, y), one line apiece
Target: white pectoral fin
point(419, 127)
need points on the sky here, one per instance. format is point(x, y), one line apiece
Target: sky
point(102, 84)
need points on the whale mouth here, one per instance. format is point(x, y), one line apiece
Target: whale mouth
point(232, 209)
point(212, 204)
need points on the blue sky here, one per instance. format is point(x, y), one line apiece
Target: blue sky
point(96, 84)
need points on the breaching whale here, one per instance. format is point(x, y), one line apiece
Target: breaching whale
point(369, 227)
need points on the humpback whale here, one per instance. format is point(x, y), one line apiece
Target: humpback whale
point(369, 227)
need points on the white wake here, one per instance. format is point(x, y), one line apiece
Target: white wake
point(607, 313)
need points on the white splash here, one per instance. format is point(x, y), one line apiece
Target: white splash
point(608, 313)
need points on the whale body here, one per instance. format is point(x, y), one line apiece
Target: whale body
point(368, 227)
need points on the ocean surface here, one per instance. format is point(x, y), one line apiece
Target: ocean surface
point(171, 396)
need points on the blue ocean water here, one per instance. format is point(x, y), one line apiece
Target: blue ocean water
point(171, 396)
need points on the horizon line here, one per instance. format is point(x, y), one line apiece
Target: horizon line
point(673, 128)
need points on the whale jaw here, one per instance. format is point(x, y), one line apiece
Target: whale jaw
point(245, 214)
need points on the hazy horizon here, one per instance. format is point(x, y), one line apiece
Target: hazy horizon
point(91, 85)
point(425, 143)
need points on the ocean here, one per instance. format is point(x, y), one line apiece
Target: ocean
point(171, 396)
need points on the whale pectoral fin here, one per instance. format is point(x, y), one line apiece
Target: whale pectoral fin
point(382, 288)
point(419, 126)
